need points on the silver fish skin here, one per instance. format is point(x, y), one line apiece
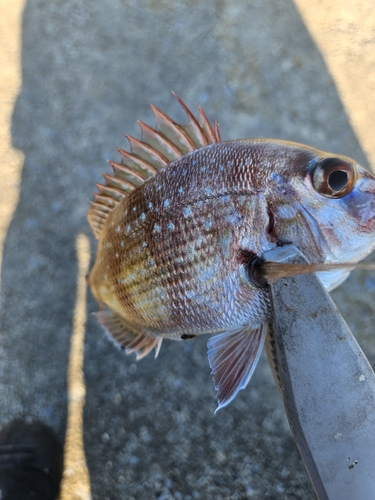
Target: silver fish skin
point(174, 252)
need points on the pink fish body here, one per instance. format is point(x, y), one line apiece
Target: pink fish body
point(183, 216)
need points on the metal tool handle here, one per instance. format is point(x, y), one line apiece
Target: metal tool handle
point(327, 385)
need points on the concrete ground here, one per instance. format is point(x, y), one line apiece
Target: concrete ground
point(76, 77)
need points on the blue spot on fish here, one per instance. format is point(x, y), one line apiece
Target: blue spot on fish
point(277, 178)
point(170, 225)
point(187, 211)
point(194, 162)
point(180, 190)
point(203, 169)
point(144, 244)
point(143, 216)
point(150, 204)
point(208, 191)
point(157, 228)
point(166, 203)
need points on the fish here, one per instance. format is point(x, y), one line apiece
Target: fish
point(184, 219)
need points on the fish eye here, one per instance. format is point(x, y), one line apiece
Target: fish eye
point(333, 177)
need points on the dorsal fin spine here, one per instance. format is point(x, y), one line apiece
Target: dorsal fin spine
point(120, 184)
point(199, 135)
point(172, 130)
point(217, 131)
point(97, 213)
point(97, 218)
point(111, 192)
point(167, 142)
point(147, 153)
point(153, 136)
point(103, 207)
point(206, 126)
point(108, 201)
point(120, 169)
point(133, 159)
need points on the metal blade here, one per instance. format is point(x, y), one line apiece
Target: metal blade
point(327, 384)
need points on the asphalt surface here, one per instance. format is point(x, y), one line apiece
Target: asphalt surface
point(89, 70)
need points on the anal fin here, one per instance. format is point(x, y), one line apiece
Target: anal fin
point(123, 334)
point(233, 357)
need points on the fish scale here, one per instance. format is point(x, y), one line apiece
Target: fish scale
point(207, 249)
point(175, 243)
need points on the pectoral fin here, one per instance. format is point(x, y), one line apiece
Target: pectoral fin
point(233, 357)
point(123, 334)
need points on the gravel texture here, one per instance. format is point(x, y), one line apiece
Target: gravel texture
point(89, 70)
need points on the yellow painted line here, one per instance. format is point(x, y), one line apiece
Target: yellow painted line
point(76, 482)
point(344, 32)
point(10, 85)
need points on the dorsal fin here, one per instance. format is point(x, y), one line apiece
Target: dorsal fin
point(158, 147)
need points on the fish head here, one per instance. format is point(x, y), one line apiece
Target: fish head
point(327, 209)
point(340, 196)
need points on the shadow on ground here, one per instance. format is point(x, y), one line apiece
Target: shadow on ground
point(89, 70)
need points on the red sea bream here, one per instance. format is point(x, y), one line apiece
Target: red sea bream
point(184, 214)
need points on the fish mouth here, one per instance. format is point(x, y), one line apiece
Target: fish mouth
point(327, 254)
